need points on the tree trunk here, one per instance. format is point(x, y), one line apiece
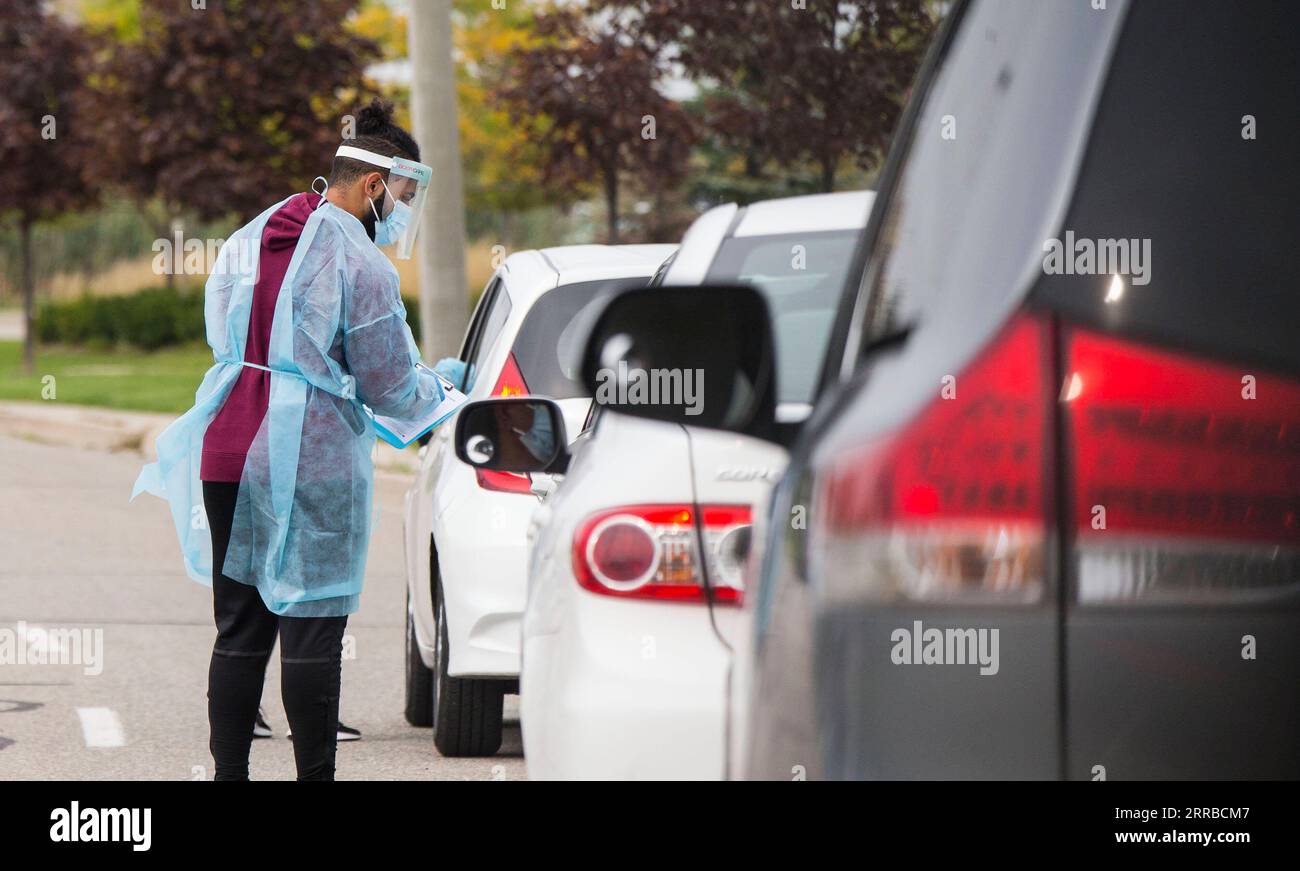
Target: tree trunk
point(828, 175)
point(440, 247)
point(611, 204)
point(164, 230)
point(29, 298)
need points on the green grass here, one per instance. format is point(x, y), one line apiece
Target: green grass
point(125, 379)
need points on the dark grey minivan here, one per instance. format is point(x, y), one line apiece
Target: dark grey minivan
point(1044, 521)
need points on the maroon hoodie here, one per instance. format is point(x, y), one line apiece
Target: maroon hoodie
point(226, 443)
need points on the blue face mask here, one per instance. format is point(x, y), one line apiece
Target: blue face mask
point(389, 229)
point(540, 439)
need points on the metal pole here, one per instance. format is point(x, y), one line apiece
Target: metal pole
point(444, 299)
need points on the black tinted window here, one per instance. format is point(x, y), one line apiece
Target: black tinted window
point(1168, 165)
point(801, 275)
point(986, 170)
point(494, 319)
point(476, 320)
point(548, 348)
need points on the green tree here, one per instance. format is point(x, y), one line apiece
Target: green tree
point(503, 163)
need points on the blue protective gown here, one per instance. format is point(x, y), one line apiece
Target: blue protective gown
point(338, 339)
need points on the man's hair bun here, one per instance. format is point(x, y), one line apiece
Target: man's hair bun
point(375, 131)
point(375, 118)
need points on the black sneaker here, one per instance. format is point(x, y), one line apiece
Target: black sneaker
point(345, 733)
point(260, 727)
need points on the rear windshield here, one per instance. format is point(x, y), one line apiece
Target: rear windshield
point(801, 275)
point(1193, 154)
point(548, 347)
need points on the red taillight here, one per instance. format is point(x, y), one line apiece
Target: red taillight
point(651, 552)
point(952, 507)
point(1186, 475)
point(509, 383)
point(504, 482)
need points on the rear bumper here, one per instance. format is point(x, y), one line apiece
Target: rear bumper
point(625, 690)
point(1184, 694)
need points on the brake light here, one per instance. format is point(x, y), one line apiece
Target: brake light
point(509, 383)
point(504, 482)
point(953, 507)
point(652, 552)
point(1187, 489)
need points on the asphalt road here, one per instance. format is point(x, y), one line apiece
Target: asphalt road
point(75, 555)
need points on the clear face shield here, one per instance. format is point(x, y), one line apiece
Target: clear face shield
point(408, 184)
point(407, 187)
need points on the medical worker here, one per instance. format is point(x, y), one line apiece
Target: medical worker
point(269, 476)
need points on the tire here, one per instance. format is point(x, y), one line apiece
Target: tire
point(466, 711)
point(419, 679)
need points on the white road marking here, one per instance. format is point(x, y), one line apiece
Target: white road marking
point(101, 727)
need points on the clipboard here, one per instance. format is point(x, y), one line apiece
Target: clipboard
point(402, 433)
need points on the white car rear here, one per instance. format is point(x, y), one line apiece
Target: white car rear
point(464, 528)
point(627, 663)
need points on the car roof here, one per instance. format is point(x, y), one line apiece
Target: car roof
point(813, 213)
point(533, 272)
point(816, 212)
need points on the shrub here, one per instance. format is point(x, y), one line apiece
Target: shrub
point(149, 319)
point(412, 304)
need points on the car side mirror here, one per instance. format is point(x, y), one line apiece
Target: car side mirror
point(700, 355)
point(516, 434)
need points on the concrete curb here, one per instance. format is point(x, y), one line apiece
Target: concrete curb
point(103, 429)
point(77, 426)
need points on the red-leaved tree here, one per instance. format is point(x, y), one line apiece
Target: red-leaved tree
point(47, 151)
point(224, 109)
point(590, 95)
point(814, 82)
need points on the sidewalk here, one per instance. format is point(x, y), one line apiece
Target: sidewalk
point(101, 429)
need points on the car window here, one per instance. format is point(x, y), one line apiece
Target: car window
point(476, 320)
point(800, 275)
point(1191, 167)
point(494, 319)
point(548, 348)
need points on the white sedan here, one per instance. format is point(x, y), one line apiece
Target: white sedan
point(626, 660)
point(465, 528)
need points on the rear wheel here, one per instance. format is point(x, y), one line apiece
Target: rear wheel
point(419, 679)
point(466, 711)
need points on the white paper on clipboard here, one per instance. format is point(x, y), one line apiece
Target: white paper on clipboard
point(401, 433)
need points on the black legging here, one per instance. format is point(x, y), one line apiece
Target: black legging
point(310, 653)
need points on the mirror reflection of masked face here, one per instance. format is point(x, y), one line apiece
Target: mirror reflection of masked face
point(521, 428)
